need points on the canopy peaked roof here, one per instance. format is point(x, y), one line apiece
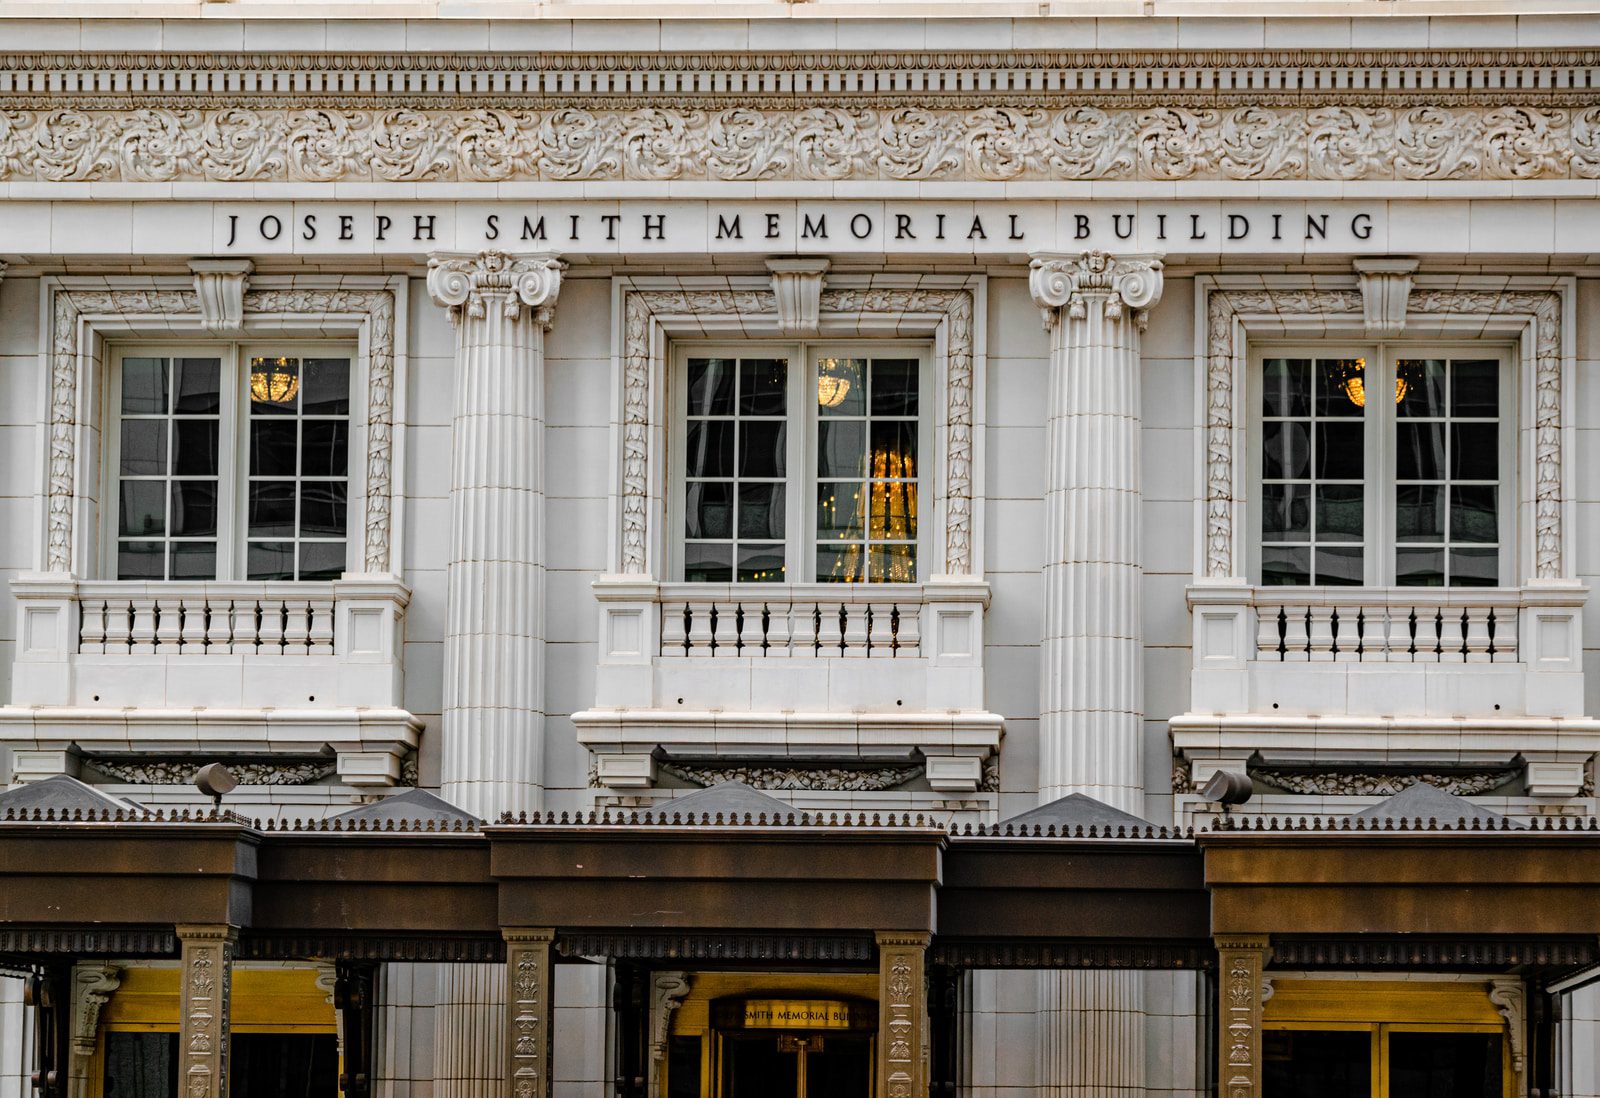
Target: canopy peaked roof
point(1076, 810)
point(1421, 801)
point(62, 793)
point(416, 805)
point(730, 799)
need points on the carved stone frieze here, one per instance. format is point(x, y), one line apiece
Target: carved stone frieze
point(853, 779)
point(955, 305)
point(155, 771)
point(1356, 783)
point(70, 360)
point(869, 139)
point(1228, 309)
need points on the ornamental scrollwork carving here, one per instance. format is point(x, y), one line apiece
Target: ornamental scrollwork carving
point(954, 305)
point(1117, 285)
point(69, 362)
point(1000, 142)
point(470, 285)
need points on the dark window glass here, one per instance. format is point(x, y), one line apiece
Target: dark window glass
point(144, 386)
point(199, 387)
point(762, 384)
point(270, 560)
point(192, 560)
point(1445, 1065)
point(1317, 1064)
point(708, 562)
point(1340, 510)
point(144, 448)
point(141, 560)
point(709, 448)
point(271, 509)
point(1419, 451)
point(1286, 512)
point(324, 448)
point(143, 508)
point(753, 1067)
point(840, 1068)
point(1341, 388)
point(1421, 387)
point(194, 508)
point(708, 510)
point(683, 1067)
point(761, 563)
point(1286, 387)
point(761, 448)
point(1339, 451)
point(272, 447)
point(841, 387)
point(140, 1065)
point(1419, 567)
point(1340, 566)
point(1285, 451)
point(325, 387)
point(322, 508)
point(1475, 451)
point(194, 447)
point(321, 560)
point(894, 386)
point(761, 511)
point(1285, 564)
point(1420, 512)
point(284, 1065)
point(711, 386)
point(840, 511)
point(842, 448)
point(1475, 389)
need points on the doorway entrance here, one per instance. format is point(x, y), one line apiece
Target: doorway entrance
point(802, 1065)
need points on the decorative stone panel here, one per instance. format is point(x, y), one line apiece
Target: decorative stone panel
point(204, 1037)
point(902, 1015)
point(1240, 964)
point(528, 1011)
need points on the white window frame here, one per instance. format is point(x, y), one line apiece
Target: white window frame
point(801, 445)
point(1379, 449)
point(232, 461)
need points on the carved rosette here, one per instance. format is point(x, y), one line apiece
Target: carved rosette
point(471, 285)
point(207, 977)
point(902, 1015)
point(1117, 284)
point(528, 1011)
point(1241, 962)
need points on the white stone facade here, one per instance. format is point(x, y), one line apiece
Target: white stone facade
point(1088, 228)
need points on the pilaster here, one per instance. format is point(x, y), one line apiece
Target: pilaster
point(493, 735)
point(92, 986)
point(1241, 960)
point(529, 1010)
point(902, 1014)
point(1091, 706)
point(204, 1035)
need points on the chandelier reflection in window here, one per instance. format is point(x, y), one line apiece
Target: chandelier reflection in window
point(886, 507)
point(833, 383)
point(1352, 379)
point(274, 380)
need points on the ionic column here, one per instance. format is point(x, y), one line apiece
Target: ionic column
point(492, 750)
point(203, 998)
point(902, 1014)
point(1091, 1024)
point(530, 1010)
point(1091, 684)
point(1240, 962)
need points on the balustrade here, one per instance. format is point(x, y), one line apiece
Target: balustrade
point(794, 624)
point(208, 619)
point(1387, 626)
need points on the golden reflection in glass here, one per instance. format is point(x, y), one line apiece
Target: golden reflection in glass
point(832, 384)
point(274, 380)
point(1353, 374)
point(888, 512)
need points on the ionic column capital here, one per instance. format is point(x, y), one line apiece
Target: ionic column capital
point(469, 285)
point(1115, 283)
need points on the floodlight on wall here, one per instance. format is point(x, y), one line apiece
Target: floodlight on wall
point(215, 780)
point(1228, 787)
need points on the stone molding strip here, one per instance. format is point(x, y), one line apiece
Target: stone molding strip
point(243, 143)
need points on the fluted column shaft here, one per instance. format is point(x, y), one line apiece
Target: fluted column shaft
point(492, 751)
point(1091, 683)
point(1092, 1040)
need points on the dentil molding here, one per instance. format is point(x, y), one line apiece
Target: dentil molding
point(997, 137)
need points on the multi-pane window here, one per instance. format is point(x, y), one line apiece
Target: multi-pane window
point(798, 463)
point(867, 469)
point(1381, 466)
point(230, 462)
point(299, 446)
point(167, 468)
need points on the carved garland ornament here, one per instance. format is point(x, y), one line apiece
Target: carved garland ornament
point(323, 144)
point(956, 306)
point(68, 362)
point(1226, 306)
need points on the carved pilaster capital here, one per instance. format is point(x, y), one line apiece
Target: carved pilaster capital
point(1115, 283)
point(470, 285)
point(797, 287)
point(1385, 293)
point(219, 286)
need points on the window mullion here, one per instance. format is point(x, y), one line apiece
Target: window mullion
point(800, 510)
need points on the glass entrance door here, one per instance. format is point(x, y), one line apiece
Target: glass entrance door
point(801, 1065)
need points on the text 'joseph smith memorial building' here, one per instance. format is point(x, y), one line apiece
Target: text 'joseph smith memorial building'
point(898, 550)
